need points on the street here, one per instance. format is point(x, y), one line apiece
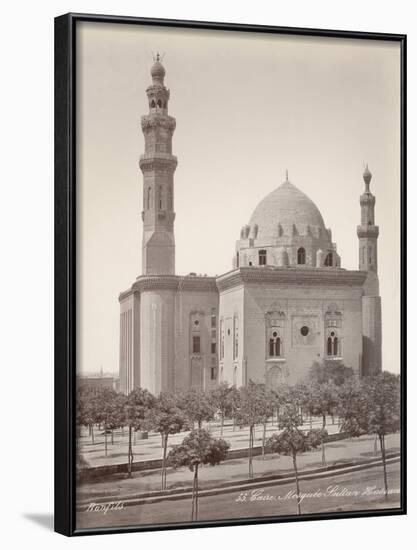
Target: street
point(354, 491)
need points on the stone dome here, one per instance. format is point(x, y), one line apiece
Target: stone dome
point(287, 207)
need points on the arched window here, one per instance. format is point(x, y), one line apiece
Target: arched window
point(235, 337)
point(148, 200)
point(275, 345)
point(278, 347)
point(301, 256)
point(329, 260)
point(153, 104)
point(329, 346)
point(262, 257)
point(159, 103)
point(333, 345)
point(165, 104)
point(160, 197)
point(271, 347)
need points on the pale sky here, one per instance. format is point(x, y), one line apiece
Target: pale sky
point(248, 107)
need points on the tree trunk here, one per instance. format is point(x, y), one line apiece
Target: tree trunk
point(376, 445)
point(129, 453)
point(323, 450)
point(105, 441)
point(250, 451)
point(311, 421)
point(264, 439)
point(199, 423)
point(164, 460)
point(382, 443)
point(294, 462)
point(112, 437)
point(221, 424)
point(92, 434)
point(196, 492)
point(301, 415)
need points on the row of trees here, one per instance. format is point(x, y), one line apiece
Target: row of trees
point(366, 406)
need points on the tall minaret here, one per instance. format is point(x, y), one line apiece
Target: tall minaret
point(371, 301)
point(158, 167)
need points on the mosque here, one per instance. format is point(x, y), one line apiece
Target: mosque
point(286, 303)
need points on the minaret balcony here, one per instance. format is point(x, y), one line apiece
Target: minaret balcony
point(367, 231)
point(158, 160)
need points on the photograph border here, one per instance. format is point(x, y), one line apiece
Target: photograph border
point(66, 253)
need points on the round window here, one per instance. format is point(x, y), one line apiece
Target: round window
point(304, 330)
point(332, 333)
point(275, 334)
point(196, 323)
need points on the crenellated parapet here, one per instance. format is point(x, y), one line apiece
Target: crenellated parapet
point(158, 120)
point(291, 276)
point(158, 161)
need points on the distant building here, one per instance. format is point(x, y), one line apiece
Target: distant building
point(286, 304)
point(99, 381)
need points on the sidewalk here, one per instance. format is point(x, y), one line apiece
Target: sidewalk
point(338, 453)
point(151, 448)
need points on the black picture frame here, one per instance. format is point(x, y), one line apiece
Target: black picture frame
point(66, 254)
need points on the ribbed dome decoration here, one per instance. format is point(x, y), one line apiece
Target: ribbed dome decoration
point(157, 70)
point(287, 206)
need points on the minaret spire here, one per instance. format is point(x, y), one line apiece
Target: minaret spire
point(158, 166)
point(368, 261)
point(367, 230)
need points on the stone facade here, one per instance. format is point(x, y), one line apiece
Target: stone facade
point(286, 304)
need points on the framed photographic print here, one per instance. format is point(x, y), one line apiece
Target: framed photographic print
point(230, 274)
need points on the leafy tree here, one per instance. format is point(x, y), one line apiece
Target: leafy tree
point(166, 417)
point(197, 405)
point(198, 448)
point(383, 396)
point(267, 411)
point(352, 408)
point(108, 413)
point(88, 408)
point(251, 412)
point(292, 441)
point(300, 394)
point(322, 402)
point(234, 398)
point(136, 407)
point(329, 371)
point(222, 399)
point(282, 395)
point(119, 417)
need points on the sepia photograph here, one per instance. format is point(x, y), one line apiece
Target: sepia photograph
point(238, 275)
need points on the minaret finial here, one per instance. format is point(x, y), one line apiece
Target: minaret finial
point(286, 174)
point(367, 176)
